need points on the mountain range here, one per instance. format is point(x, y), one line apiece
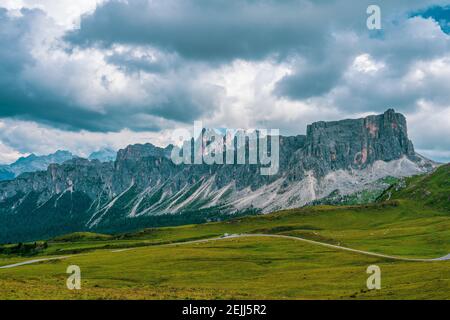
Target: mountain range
point(33, 163)
point(144, 188)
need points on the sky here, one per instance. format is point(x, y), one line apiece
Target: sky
point(90, 74)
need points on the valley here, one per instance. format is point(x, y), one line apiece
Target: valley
point(171, 263)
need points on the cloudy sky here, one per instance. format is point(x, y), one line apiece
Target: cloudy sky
point(89, 74)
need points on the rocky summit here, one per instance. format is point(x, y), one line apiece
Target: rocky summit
point(144, 188)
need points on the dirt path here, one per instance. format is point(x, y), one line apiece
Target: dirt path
point(367, 253)
point(32, 261)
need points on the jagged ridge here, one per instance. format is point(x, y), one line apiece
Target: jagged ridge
point(344, 156)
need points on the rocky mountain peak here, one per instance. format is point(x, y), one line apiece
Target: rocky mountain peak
point(33, 163)
point(103, 155)
point(139, 151)
point(357, 143)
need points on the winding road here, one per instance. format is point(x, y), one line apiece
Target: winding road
point(33, 261)
point(235, 236)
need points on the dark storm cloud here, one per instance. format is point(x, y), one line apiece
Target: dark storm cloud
point(32, 104)
point(223, 30)
point(17, 97)
point(317, 39)
point(407, 52)
point(158, 62)
point(14, 52)
point(310, 81)
point(206, 30)
point(28, 93)
point(399, 45)
point(318, 74)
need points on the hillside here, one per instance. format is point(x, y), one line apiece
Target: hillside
point(431, 190)
point(141, 265)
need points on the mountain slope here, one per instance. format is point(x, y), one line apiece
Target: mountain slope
point(432, 190)
point(5, 173)
point(143, 187)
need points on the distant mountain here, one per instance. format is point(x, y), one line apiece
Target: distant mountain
point(143, 187)
point(104, 155)
point(33, 163)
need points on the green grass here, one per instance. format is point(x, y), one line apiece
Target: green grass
point(82, 236)
point(259, 268)
point(398, 229)
point(431, 190)
point(228, 269)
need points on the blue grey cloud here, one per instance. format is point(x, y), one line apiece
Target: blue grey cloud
point(215, 30)
point(28, 91)
point(219, 31)
point(441, 14)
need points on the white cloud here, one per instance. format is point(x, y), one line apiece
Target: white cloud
point(430, 130)
point(66, 13)
point(16, 136)
point(365, 64)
